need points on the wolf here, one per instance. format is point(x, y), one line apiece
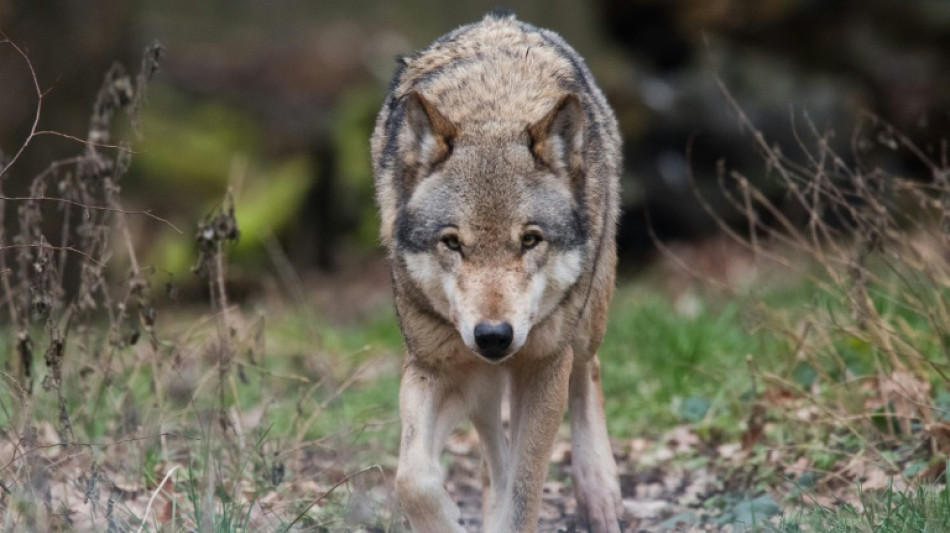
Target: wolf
point(496, 163)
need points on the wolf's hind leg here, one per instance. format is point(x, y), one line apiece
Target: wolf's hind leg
point(593, 467)
point(429, 410)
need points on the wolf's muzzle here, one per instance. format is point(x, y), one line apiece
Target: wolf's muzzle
point(493, 338)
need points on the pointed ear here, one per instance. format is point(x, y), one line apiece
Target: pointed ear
point(557, 139)
point(432, 135)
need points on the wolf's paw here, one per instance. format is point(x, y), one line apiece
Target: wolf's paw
point(599, 507)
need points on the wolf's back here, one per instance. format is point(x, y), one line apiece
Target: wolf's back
point(493, 78)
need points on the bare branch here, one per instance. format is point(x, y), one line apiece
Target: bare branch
point(39, 101)
point(148, 214)
point(44, 246)
point(330, 491)
point(84, 142)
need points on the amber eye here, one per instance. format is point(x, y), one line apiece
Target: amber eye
point(451, 242)
point(530, 240)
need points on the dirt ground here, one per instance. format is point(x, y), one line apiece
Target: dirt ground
point(666, 496)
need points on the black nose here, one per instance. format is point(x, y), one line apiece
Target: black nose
point(493, 338)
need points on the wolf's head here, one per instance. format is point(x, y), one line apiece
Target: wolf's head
point(492, 229)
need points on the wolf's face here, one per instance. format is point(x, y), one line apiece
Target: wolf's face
point(492, 232)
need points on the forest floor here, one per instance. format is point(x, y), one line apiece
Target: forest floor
point(717, 424)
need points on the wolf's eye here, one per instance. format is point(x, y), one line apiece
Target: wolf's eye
point(452, 242)
point(530, 240)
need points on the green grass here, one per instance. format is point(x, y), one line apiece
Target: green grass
point(663, 366)
point(923, 509)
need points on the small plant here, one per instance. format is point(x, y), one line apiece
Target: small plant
point(57, 288)
point(60, 292)
point(858, 394)
point(143, 413)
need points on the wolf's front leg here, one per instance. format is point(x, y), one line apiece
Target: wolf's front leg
point(429, 410)
point(486, 417)
point(592, 462)
point(538, 399)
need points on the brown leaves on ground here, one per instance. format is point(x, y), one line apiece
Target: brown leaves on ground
point(682, 481)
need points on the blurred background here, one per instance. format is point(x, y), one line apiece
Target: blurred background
point(277, 100)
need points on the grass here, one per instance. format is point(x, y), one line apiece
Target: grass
point(924, 509)
point(666, 361)
point(333, 390)
point(311, 393)
point(666, 365)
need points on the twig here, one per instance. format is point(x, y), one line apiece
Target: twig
point(88, 444)
point(55, 248)
point(16, 383)
point(85, 142)
point(270, 373)
point(790, 387)
point(336, 394)
point(5, 281)
point(75, 203)
point(39, 102)
point(154, 494)
point(330, 491)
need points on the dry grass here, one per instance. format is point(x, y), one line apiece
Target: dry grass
point(860, 401)
point(149, 414)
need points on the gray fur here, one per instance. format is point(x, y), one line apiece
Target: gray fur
point(496, 161)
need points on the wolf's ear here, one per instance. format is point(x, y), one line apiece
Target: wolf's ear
point(557, 139)
point(432, 135)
